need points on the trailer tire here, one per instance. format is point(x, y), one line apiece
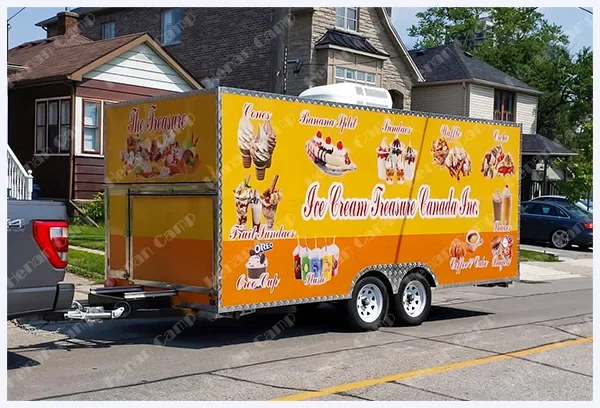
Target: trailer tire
point(368, 306)
point(413, 300)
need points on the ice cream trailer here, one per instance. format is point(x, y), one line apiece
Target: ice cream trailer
point(227, 201)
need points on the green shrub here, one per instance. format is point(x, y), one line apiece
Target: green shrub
point(95, 208)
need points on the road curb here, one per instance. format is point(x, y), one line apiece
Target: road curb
point(541, 251)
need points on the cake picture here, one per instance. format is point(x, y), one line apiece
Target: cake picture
point(332, 159)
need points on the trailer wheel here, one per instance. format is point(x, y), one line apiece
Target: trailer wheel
point(413, 300)
point(368, 305)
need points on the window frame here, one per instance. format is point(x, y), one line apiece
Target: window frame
point(162, 26)
point(112, 24)
point(513, 106)
point(346, 19)
point(44, 150)
point(344, 78)
point(98, 126)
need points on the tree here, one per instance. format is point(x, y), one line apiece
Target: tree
point(526, 46)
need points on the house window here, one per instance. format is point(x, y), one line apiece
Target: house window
point(347, 17)
point(91, 129)
point(108, 30)
point(53, 126)
point(171, 27)
point(504, 105)
point(352, 75)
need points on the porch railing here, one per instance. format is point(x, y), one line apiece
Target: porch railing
point(538, 188)
point(20, 181)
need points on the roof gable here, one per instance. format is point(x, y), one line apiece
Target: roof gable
point(348, 40)
point(451, 63)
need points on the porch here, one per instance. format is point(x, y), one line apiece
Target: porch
point(544, 164)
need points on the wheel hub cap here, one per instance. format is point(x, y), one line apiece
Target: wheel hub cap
point(414, 298)
point(369, 303)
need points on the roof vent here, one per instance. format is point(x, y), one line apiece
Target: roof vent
point(468, 54)
point(420, 52)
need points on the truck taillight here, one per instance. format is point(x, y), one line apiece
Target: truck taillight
point(589, 225)
point(52, 238)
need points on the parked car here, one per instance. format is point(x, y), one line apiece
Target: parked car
point(583, 204)
point(557, 222)
point(37, 257)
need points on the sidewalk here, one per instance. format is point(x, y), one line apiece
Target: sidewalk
point(93, 251)
point(566, 269)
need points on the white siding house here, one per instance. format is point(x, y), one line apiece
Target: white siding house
point(527, 112)
point(448, 99)
point(481, 102)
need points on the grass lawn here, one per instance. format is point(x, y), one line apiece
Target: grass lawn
point(526, 255)
point(86, 265)
point(86, 236)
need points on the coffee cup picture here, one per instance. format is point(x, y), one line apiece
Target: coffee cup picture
point(474, 240)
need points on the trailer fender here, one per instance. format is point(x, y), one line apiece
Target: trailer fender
point(394, 273)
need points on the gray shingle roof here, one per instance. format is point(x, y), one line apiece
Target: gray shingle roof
point(451, 63)
point(536, 144)
point(348, 40)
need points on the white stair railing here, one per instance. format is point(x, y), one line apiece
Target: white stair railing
point(20, 181)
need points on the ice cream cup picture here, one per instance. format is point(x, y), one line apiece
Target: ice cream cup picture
point(245, 140)
point(505, 207)
point(256, 265)
point(389, 170)
point(382, 154)
point(474, 240)
point(410, 162)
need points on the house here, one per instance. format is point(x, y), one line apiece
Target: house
point(56, 101)
point(458, 83)
point(281, 50)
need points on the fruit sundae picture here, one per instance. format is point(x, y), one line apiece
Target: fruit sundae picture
point(455, 159)
point(156, 158)
point(497, 163)
point(318, 265)
point(333, 160)
point(261, 205)
point(256, 147)
point(396, 161)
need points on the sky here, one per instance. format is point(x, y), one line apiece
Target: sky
point(575, 22)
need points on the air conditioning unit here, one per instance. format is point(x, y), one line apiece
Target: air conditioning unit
point(350, 93)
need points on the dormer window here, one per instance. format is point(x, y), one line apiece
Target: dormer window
point(347, 17)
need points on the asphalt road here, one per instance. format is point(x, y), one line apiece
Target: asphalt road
point(526, 342)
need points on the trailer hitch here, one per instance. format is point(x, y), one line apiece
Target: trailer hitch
point(93, 312)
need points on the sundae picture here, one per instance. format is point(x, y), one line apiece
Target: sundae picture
point(156, 158)
point(332, 159)
point(383, 152)
point(256, 265)
point(243, 194)
point(396, 162)
point(256, 209)
point(256, 147)
point(497, 163)
point(269, 200)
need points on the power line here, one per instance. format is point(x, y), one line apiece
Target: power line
point(16, 14)
point(586, 10)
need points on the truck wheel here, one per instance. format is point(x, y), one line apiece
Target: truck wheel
point(368, 305)
point(413, 300)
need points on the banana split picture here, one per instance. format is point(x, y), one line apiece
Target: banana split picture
point(334, 160)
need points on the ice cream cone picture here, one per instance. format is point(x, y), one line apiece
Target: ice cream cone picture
point(242, 194)
point(260, 153)
point(270, 200)
point(272, 140)
point(245, 140)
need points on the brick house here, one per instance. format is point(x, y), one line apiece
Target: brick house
point(58, 89)
point(458, 83)
point(281, 50)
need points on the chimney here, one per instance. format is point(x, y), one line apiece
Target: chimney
point(67, 22)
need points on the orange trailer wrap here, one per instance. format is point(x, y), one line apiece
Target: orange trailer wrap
point(242, 200)
point(358, 190)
